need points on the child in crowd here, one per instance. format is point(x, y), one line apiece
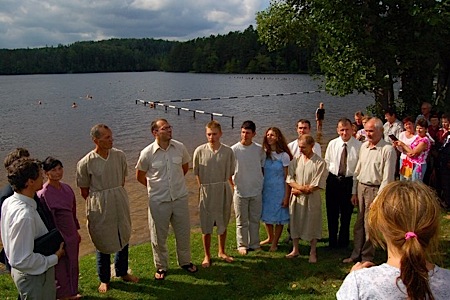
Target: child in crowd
point(405, 219)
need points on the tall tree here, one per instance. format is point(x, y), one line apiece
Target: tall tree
point(365, 45)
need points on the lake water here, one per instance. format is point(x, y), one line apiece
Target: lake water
point(55, 128)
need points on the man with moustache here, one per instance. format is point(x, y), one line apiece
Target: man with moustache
point(303, 127)
point(101, 178)
point(161, 167)
point(341, 157)
point(374, 170)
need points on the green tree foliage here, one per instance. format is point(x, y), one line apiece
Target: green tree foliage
point(365, 46)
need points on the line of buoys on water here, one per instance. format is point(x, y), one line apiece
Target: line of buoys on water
point(194, 111)
point(236, 97)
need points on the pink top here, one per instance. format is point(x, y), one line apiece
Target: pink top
point(422, 157)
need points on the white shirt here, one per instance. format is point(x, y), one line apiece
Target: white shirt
point(164, 172)
point(248, 177)
point(394, 128)
point(21, 225)
point(295, 150)
point(333, 157)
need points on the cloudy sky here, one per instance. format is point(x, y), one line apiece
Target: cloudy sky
point(39, 23)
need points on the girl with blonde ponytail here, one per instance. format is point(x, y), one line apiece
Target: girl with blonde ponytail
point(404, 219)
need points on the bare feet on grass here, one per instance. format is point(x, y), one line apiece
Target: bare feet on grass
point(206, 263)
point(266, 241)
point(293, 254)
point(103, 287)
point(225, 257)
point(242, 251)
point(273, 248)
point(312, 257)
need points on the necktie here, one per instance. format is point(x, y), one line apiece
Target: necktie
point(343, 162)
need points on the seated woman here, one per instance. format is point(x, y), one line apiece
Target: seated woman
point(405, 219)
point(60, 199)
point(416, 153)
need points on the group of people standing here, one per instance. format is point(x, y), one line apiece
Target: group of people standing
point(273, 182)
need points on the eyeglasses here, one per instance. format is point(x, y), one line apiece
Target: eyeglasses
point(165, 128)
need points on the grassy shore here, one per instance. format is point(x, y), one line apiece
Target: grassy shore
point(259, 275)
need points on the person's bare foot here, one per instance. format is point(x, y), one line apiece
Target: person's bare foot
point(103, 287)
point(242, 251)
point(273, 248)
point(265, 242)
point(130, 278)
point(348, 260)
point(292, 255)
point(206, 263)
point(312, 258)
point(226, 258)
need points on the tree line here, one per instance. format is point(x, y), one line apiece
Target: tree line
point(235, 52)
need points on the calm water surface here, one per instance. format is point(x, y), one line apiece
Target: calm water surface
point(55, 128)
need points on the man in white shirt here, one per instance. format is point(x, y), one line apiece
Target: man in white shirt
point(248, 182)
point(32, 273)
point(341, 157)
point(303, 127)
point(392, 125)
point(161, 168)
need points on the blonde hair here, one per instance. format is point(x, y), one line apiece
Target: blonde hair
point(214, 124)
point(404, 207)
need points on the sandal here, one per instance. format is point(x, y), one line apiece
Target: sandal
point(162, 274)
point(191, 268)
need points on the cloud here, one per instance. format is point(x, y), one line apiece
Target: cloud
point(34, 23)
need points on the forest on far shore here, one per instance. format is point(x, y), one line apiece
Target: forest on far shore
point(235, 52)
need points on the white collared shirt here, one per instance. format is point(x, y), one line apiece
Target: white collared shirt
point(394, 128)
point(164, 172)
point(21, 225)
point(333, 156)
point(295, 150)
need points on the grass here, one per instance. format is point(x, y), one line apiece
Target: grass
point(259, 275)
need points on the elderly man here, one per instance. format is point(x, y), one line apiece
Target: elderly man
point(101, 178)
point(303, 127)
point(161, 168)
point(32, 273)
point(375, 169)
point(425, 110)
point(392, 126)
point(341, 156)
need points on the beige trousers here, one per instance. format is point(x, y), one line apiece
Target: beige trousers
point(363, 249)
point(160, 216)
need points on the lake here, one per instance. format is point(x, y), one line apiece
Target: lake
point(55, 128)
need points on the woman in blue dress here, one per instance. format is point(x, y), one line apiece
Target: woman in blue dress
point(276, 192)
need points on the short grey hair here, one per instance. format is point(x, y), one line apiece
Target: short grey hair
point(95, 131)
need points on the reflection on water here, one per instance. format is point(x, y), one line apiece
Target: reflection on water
point(55, 128)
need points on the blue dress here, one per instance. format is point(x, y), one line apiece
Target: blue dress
point(273, 193)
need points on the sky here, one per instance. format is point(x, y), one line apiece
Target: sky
point(40, 23)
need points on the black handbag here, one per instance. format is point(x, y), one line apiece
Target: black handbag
point(49, 243)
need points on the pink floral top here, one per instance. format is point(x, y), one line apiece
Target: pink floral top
point(422, 157)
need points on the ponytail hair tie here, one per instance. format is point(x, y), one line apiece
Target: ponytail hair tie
point(410, 235)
